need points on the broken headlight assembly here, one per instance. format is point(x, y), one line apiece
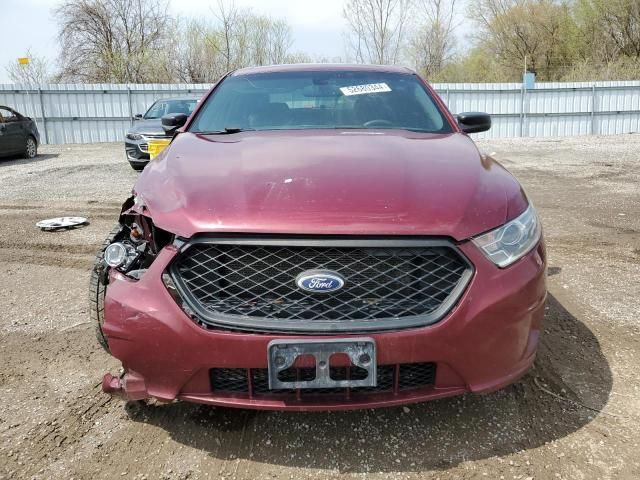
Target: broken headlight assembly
point(506, 244)
point(137, 243)
point(120, 255)
point(129, 253)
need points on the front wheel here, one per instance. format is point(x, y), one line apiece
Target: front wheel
point(30, 148)
point(98, 289)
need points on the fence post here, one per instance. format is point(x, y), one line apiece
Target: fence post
point(593, 109)
point(522, 110)
point(130, 107)
point(44, 118)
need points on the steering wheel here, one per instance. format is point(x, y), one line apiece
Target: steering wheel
point(377, 123)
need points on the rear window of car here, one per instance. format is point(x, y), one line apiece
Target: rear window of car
point(321, 99)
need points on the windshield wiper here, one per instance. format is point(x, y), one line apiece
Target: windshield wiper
point(226, 131)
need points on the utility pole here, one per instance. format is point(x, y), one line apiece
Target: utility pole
point(24, 63)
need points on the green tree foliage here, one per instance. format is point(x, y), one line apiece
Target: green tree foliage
point(559, 40)
point(535, 33)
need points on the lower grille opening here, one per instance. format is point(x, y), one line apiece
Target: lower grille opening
point(229, 380)
point(237, 380)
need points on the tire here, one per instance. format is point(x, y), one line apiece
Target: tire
point(30, 147)
point(136, 167)
point(98, 289)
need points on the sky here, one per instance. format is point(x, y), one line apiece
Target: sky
point(317, 25)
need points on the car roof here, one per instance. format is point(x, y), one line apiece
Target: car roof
point(322, 67)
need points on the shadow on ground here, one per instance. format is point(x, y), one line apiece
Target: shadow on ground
point(17, 159)
point(434, 435)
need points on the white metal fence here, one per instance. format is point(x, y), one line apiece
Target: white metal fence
point(103, 112)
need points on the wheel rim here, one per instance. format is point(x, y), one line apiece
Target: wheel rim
point(31, 148)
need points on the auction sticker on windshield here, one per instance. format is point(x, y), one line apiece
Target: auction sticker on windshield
point(369, 88)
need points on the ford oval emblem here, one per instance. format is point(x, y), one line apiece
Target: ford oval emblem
point(319, 281)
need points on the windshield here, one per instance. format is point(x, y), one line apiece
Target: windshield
point(321, 99)
point(163, 107)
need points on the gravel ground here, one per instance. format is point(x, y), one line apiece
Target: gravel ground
point(576, 415)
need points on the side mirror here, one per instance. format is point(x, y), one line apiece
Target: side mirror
point(474, 122)
point(137, 116)
point(173, 121)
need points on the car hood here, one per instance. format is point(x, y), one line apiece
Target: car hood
point(328, 182)
point(153, 126)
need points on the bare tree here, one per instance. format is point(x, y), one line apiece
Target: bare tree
point(432, 44)
point(233, 38)
point(230, 27)
point(194, 53)
point(280, 40)
point(244, 38)
point(112, 40)
point(35, 72)
point(377, 29)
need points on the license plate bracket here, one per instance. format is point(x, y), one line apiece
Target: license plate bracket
point(282, 355)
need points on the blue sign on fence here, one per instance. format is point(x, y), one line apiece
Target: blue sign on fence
point(529, 80)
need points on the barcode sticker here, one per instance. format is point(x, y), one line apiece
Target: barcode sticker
point(362, 89)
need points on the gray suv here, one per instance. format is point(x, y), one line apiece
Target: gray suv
point(149, 126)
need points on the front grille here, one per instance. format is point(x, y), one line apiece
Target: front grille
point(409, 376)
point(156, 135)
point(382, 284)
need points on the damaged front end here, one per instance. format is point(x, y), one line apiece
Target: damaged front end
point(130, 249)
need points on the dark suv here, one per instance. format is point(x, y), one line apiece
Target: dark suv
point(148, 126)
point(18, 134)
point(321, 237)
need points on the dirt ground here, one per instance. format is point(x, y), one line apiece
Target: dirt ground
point(576, 415)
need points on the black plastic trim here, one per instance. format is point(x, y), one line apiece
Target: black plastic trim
point(257, 324)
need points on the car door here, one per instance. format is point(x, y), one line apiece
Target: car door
point(12, 138)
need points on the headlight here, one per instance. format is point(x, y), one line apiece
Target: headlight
point(120, 255)
point(508, 243)
point(134, 136)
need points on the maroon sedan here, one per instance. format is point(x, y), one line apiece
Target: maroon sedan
point(321, 237)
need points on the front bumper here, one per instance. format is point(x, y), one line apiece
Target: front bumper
point(486, 342)
point(137, 151)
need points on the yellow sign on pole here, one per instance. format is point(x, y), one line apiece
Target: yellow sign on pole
point(23, 61)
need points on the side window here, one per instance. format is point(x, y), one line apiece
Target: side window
point(7, 115)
